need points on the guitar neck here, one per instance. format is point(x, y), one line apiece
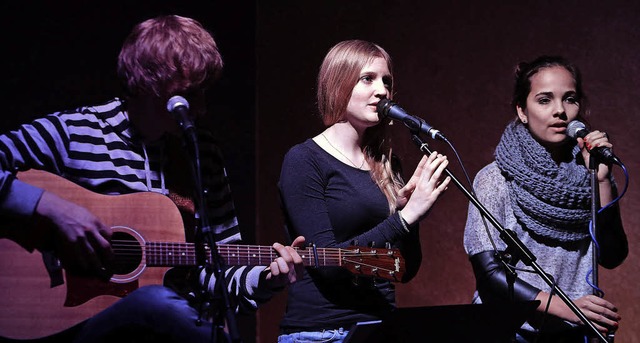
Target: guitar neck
point(255, 255)
point(169, 254)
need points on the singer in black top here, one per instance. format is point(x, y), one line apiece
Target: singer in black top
point(133, 144)
point(539, 187)
point(343, 187)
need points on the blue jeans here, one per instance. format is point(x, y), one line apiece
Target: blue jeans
point(146, 315)
point(334, 336)
point(575, 336)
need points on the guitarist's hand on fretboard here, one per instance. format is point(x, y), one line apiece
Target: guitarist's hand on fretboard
point(81, 240)
point(287, 268)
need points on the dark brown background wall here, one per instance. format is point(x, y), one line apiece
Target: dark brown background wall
point(454, 63)
point(453, 67)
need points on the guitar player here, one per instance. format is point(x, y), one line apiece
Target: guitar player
point(126, 145)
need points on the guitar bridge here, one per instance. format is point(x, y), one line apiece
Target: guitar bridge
point(53, 267)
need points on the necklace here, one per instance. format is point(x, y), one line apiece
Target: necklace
point(343, 155)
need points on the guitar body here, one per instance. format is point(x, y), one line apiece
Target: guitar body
point(39, 298)
point(31, 308)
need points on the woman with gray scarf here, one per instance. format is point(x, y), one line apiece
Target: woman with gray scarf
point(539, 187)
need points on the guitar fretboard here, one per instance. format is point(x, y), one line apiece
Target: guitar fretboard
point(264, 255)
point(163, 254)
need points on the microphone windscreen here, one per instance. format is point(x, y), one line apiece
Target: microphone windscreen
point(175, 102)
point(576, 129)
point(383, 108)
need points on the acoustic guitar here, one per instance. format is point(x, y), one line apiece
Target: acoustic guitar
point(148, 239)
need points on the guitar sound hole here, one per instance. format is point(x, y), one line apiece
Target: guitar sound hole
point(127, 251)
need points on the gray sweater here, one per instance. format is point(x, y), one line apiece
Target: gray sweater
point(568, 263)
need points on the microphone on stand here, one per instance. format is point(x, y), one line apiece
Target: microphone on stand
point(179, 108)
point(577, 129)
point(388, 108)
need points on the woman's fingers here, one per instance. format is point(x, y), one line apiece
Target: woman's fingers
point(599, 311)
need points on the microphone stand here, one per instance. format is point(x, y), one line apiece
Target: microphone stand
point(595, 206)
point(595, 203)
point(205, 235)
point(513, 242)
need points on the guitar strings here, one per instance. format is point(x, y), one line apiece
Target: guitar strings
point(124, 245)
point(175, 254)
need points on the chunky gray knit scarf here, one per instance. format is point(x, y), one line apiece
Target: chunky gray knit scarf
point(550, 200)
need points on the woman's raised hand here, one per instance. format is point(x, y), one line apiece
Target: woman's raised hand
point(423, 188)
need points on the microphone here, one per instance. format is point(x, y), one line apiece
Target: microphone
point(179, 108)
point(388, 108)
point(577, 129)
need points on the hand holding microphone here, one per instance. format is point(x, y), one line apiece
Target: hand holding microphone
point(577, 129)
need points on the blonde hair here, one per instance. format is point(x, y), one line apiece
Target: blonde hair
point(339, 73)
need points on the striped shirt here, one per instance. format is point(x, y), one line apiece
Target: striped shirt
point(96, 147)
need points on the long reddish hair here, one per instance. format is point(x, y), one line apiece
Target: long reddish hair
point(339, 74)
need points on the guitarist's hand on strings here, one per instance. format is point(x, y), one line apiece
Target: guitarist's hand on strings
point(82, 240)
point(287, 268)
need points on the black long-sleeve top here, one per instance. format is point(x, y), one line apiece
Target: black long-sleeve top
point(336, 205)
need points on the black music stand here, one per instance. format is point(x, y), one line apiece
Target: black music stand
point(482, 323)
